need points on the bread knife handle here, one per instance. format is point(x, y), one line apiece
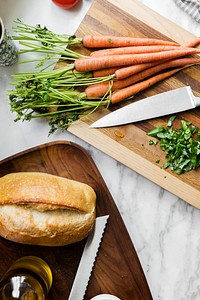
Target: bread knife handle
point(88, 259)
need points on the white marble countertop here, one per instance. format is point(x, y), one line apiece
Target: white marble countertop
point(164, 229)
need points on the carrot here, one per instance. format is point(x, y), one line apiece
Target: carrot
point(104, 72)
point(194, 43)
point(122, 73)
point(133, 50)
point(130, 91)
point(154, 68)
point(105, 41)
point(100, 89)
point(125, 72)
point(97, 63)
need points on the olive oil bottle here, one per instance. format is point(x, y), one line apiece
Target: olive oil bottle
point(29, 278)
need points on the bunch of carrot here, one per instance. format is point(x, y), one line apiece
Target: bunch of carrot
point(137, 63)
point(117, 69)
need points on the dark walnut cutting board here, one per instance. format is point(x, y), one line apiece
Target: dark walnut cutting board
point(117, 269)
point(129, 144)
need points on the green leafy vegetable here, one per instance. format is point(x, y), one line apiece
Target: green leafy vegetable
point(182, 146)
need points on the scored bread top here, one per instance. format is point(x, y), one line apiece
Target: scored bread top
point(46, 192)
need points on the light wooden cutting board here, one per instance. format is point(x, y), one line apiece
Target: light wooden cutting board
point(129, 144)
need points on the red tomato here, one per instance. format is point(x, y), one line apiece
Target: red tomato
point(66, 3)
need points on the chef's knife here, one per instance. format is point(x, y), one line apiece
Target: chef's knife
point(88, 259)
point(162, 104)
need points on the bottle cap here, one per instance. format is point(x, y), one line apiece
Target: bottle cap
point(105, 297)
point(36, 265)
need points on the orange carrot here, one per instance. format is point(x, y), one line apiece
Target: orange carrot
point(97, 63)
point(104, 72)
point(132, 90)
point(105, 41)
point(194, 43)
point(125, 72)
point(155, 68)
point(100, 89)
point(133, 50)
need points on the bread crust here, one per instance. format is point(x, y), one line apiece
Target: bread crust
point(44, 209)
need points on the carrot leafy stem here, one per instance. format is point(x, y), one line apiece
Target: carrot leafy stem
point(54, 94)
point(38, 39)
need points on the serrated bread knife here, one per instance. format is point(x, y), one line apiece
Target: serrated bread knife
point(88, 259)
point(162, 104)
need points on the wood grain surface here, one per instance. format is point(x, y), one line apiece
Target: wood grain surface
point(129, 144)
point(117, 269)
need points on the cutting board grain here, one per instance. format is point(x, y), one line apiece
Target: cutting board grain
point(129, 144)
point(117, 269)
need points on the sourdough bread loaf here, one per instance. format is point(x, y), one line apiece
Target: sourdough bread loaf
point(43, 209)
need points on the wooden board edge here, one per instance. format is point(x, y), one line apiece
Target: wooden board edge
point(134, 161)
point(154, 20)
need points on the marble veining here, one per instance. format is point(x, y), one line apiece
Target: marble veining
point(164, 229)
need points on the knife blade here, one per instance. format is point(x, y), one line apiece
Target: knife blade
point(88, 259)
point(170, 102)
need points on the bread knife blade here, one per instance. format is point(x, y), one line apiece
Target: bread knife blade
point(88, 258)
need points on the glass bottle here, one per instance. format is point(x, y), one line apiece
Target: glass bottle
point(29, 278)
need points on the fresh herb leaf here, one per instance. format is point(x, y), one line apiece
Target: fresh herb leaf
point(171, 119)
point(153, 142)
point(182, 146)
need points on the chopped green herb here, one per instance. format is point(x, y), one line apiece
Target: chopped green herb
point(182, 146)
point(153, 142)
point(169, 123)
